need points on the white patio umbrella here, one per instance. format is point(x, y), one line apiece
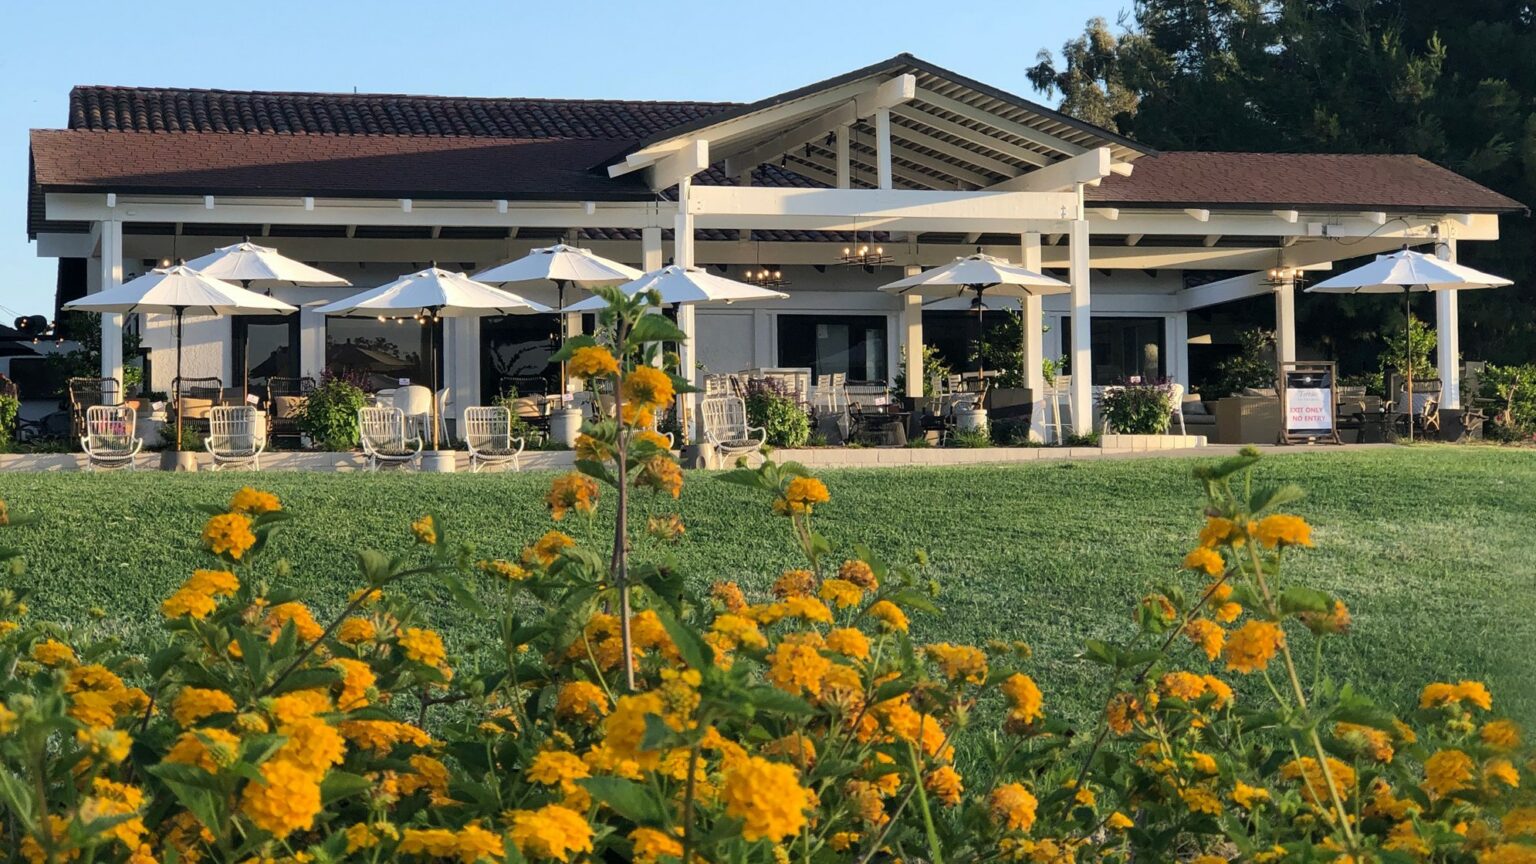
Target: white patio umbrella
point(429, 295)
point(982, 275)
point(682, 285)
point(177, 291)
point(567, 267)
point(261, 267)
point(264, 267)
point(1406, 272)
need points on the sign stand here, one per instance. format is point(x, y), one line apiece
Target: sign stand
point(1308, 412)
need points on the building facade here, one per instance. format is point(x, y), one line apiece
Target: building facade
point(904, 156)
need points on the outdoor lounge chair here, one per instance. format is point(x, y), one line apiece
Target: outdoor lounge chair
point(381, 432)
point(726, 429)
point(87, 392)
point(286, 398)
point(108, 441)
point(197, 396)
point(488, 435)
point(237, 435)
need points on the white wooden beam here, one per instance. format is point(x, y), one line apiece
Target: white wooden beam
point(1110, 213)
point(1123, 169)
point(1198, 215)
point(980, 160)
point(671, 170)
point(883, 148)
point(1018, 130)
point(1287, 215)
point(937, 166)
point(1375, 217)
point(1063, 175)
point(1211, 240)
point(309, 202)
point(405, 205)
point(814, 171)
point(812, 130)
point(974, 236)
point(842, 209)
point(207, 202)
point(975, 136)
point(900, 172)
point(1133, 239)
point(844, 178)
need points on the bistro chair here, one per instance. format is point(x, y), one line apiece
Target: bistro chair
point(1056, 392)
point(726, 429)
point(488, 435)
point(108, 441)
point(87, 392)
point(237, 435)
point(286, 398)
point(382, 434)
point(196, 397)
point(415, 402)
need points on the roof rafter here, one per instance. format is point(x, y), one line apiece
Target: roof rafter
point(975, 136)
point(1018, 130)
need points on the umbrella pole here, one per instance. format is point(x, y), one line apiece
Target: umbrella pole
point(981, 335)
point(245, 354)
point(176, 385)
point(432, 353)
point(560, 306)
point(1408, 355)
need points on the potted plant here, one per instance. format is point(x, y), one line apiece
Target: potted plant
point(1135, 412)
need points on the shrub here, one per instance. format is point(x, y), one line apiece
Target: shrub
point(1514, 388)
point(1418, 343)
point(191, 437)
point(971, 438)
point(329, 416)
point(10, 411)
point(1138, 409)
point(768, 406)
point(934, 365)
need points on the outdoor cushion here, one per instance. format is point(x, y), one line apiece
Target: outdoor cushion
point(1193, 405)
point(288, 407)
point(1259, 392)
point(195, 408)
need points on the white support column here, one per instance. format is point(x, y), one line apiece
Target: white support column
point(461, 361)
point(912, 338)
point(1033, 331)
point(844, 173)
point(1285, 322)
point(1082, 330)
point(311, 342)
point(683, 257)
point(650, 249)
point(883, 147)
point(1447, 330)
point(111, 268)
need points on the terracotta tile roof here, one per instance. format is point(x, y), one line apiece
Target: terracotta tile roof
point(1297, 181)
point(145, 109)
point(377, 166)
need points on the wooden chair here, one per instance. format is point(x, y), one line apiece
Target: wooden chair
point(196, 397)
point(286, 398)
point(488, 435)
point(726, 429)
point(381, 431)
point(237, 435)
point(109, 441)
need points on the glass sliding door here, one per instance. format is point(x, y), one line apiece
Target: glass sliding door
point(855, 345)
point(1123, 348)
point(379, 354)
point(514, 355)
point(265, 346)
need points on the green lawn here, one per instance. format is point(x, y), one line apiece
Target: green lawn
point(1431, 547)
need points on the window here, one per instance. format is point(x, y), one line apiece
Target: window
point(852, 344)
point(266, 346)
point(514, 355)
point(381, 352)
point(1122, 348)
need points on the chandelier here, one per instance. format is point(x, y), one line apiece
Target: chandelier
point(1283, 275)
point(764, 277)
point(864, 254)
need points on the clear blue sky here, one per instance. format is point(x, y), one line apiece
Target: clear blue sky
point(581, 49)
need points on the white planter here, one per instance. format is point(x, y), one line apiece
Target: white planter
point(1116, 441)
point(972, 420)
point(437, 461)
point(564, 426)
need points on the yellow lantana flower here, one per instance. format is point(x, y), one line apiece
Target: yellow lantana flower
point(591, 361)
point(1250, 647)
point(767, 797)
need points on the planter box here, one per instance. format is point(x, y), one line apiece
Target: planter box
point(1137, 443)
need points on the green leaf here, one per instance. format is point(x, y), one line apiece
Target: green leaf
point(375, 566)
point(778, 702)
point(1269, 497)
point(692, 648)
point(305, 679)
point(341, 784)
point(741, 477)
point(658, 735)
point(463, 595)
point(568, 349)
point(1100, 651)
point(627, 798)
point(656, 328)
point(1298, 599)
point(598, 470)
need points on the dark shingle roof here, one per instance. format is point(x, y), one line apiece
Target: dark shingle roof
point(1368, 181)
point(146, 109)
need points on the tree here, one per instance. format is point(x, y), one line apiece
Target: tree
point(1454, 83)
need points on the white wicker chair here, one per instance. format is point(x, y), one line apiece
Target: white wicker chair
point(726, 429)
point(488, 435)
point(382, 433)
point(108, 441)
point(236, 436)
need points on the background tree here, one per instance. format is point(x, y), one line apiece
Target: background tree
point(1453, 83)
